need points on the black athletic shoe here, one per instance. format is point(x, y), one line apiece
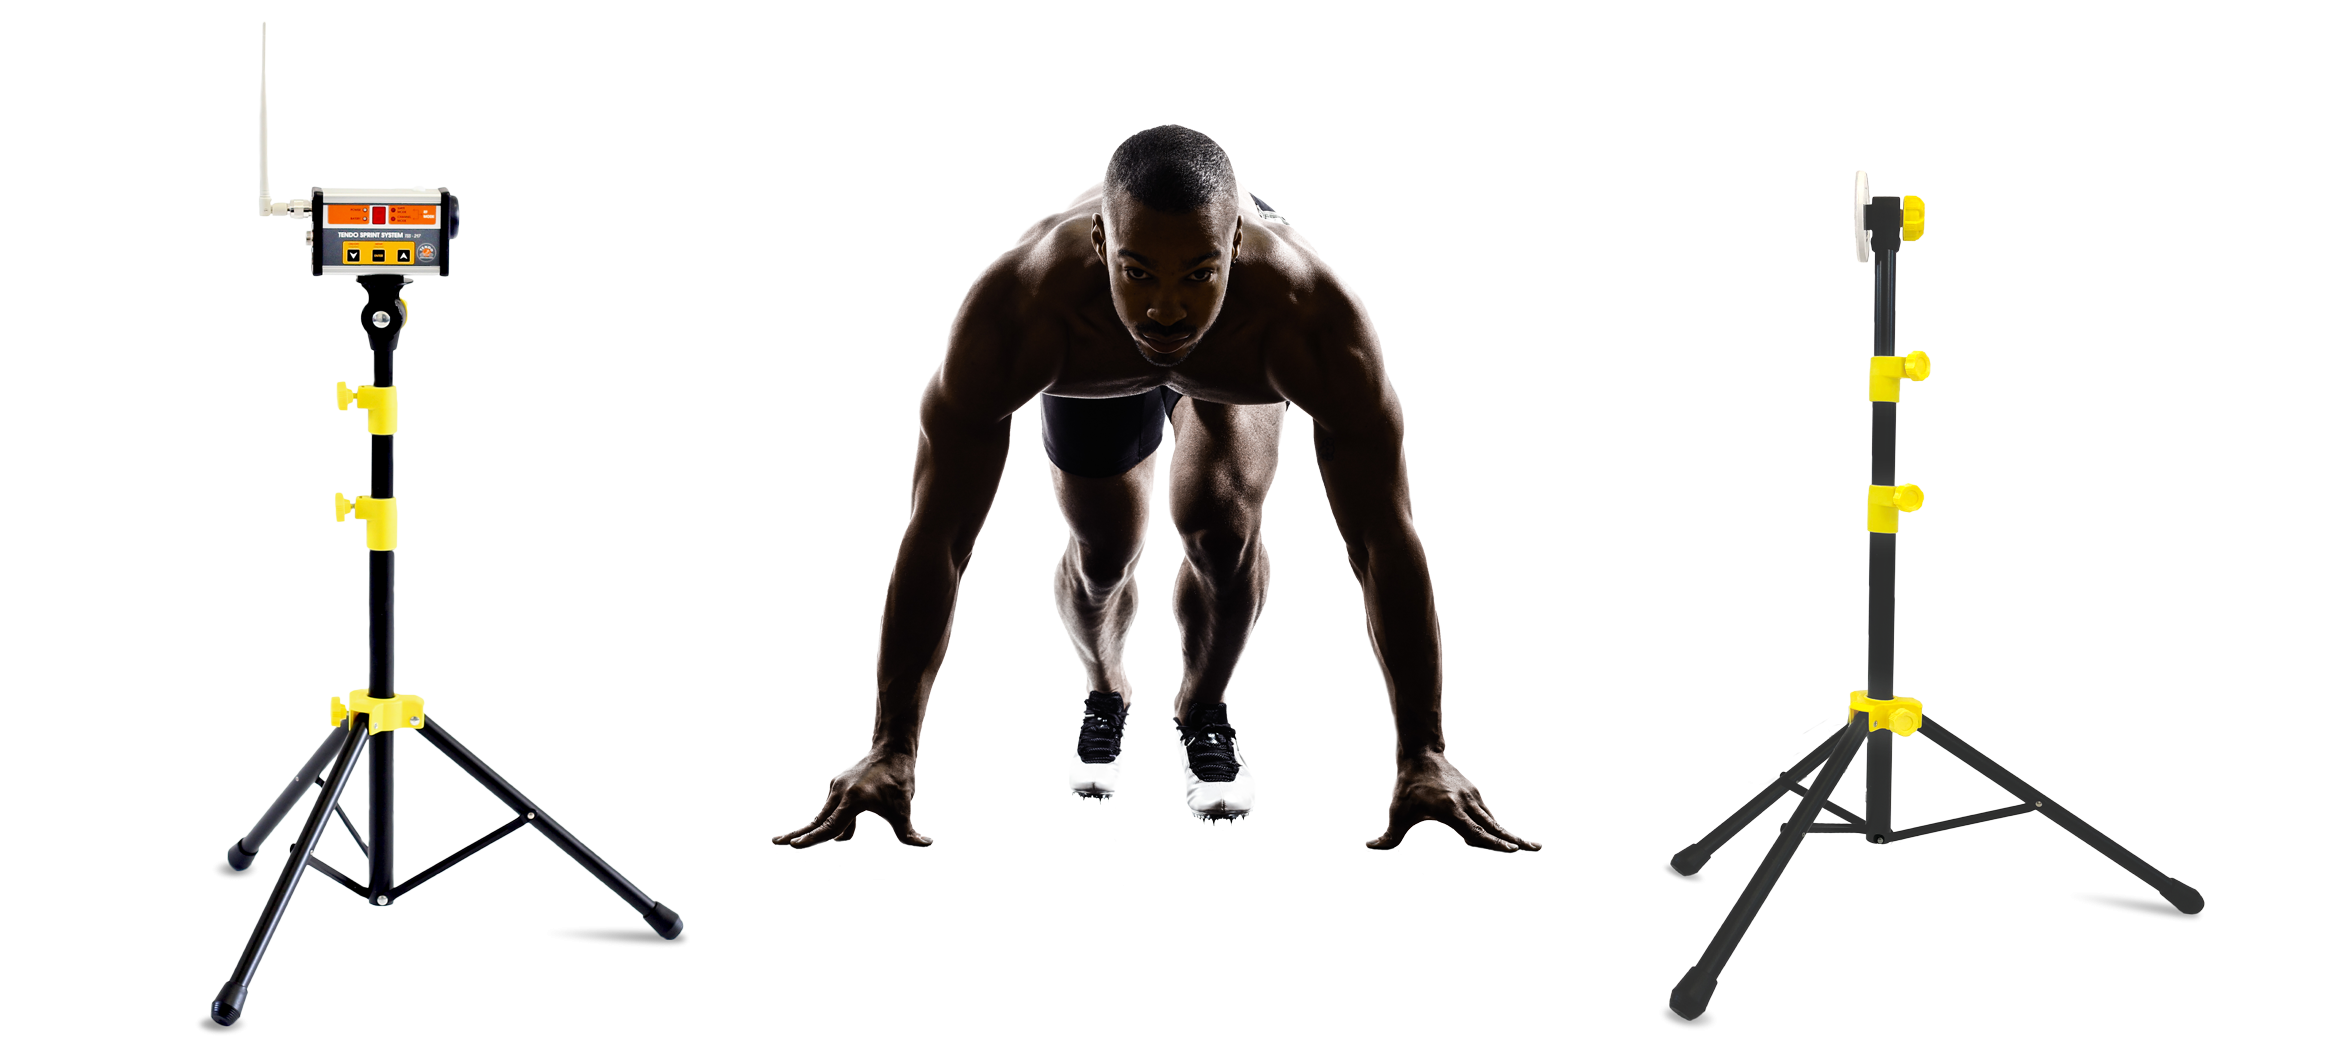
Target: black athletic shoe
point(1097, 747)
point(1220, 785)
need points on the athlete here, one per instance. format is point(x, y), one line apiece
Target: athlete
point(1169, 293)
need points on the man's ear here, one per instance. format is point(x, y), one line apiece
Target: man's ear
point(1100, 238)
point(1237, 236)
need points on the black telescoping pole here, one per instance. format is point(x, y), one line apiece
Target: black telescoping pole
point(1884, 216)
point(382, 318)
point(1882, 572)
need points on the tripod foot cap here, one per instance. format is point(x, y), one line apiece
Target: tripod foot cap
point(1685, 1024)
point(2185, 897)
point(229, 1006)
point(664, 921)
point(1693, 994)
point(1689, 862)
point(240, 859)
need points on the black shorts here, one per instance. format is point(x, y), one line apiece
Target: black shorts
point(1102, 438)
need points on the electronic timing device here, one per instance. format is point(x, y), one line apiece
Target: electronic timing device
point(382, 238)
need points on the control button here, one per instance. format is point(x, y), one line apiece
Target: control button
point(378, 256)
point(405, 255)
point(350, 254)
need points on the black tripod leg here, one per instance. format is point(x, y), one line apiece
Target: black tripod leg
point(240, 853)
point(2184, 896)
point(230, 1003)
point(663, 920)
point(1693, 993)
point(1690, 861)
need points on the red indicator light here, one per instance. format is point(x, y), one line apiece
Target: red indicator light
point(382, 215)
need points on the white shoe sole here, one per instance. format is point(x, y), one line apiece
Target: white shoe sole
point(1092, 780)
point(1213, 801)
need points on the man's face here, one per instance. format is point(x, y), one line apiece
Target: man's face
point(1166, 272)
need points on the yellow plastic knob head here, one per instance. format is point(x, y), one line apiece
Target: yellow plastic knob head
point(1913, 228)
point(1918, 365)
point(1907, 498)
point(343, 506)
point(343, 396)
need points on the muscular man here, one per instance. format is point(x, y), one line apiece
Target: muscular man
point(1166, 293)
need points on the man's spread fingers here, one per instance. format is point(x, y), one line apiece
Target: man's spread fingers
point(830, 806)
point(825, 831)
point(1490, 823)
point(846, 829)
point(1476, 837)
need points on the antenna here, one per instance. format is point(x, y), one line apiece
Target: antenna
point(296, 207)
point(1866, 249)
point(264, 119)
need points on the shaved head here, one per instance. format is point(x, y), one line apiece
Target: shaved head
point(1171, 170)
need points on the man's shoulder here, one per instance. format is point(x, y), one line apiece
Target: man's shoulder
point(1047, 274)
point(998, 353)
point(1336, 365)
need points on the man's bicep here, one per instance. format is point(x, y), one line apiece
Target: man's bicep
point(965, 428)
point(987, 373)
point(1357, 435)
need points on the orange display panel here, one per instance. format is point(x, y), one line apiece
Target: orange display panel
point(392, 214)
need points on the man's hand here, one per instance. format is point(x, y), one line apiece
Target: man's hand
point(1430, 789)
point(882, 784)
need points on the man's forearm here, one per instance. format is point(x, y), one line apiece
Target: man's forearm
point(1398, 593)
point(914, 630)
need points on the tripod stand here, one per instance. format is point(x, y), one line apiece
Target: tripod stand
point(1874, 713)
point(376, 714)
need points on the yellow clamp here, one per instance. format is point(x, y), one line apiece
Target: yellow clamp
point(1913, 228)
point(1901, 715)
point(381, 514)
point(381, 404)
point(383, 713)
point(1884, 503)
point(1888, 372)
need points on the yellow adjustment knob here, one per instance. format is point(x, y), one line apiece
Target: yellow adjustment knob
point(343, 396)
point(1918, 365)
point(1907, 498)
point(1913, 229)
point(1901, 715)
point(403, 311)
point(343, 507)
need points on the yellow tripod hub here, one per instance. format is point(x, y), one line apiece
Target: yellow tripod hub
point(1888, 372)
point(384, 714)
point(381, 514)
point(1901, 715)
point(381, 404)
point(1912, 229)
point(1884, 503)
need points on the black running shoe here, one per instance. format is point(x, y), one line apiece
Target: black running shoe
point(1220, 786)
point(1097, 747)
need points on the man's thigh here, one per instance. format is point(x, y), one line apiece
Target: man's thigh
point(1223, 465)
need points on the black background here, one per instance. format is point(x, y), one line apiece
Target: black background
point(648, 517)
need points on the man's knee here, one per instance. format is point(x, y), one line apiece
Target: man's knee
point(1224, 553)
point(1100, 570)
